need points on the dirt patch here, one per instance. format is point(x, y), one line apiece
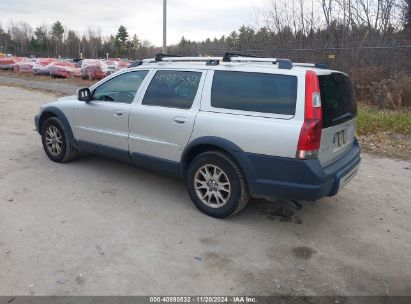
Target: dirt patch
point(60, 87)
point(284, 212)
point(387, 145)
point(303, 252)
point(75, 81)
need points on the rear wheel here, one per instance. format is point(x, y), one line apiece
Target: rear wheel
point(55, 141)
point(216, 184)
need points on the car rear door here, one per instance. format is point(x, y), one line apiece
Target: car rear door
point(339, 109)
point(162, 122)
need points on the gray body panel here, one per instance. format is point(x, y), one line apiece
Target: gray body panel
point(102, 123)
point(160, 131)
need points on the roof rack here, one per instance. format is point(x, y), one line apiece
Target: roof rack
point(135, 64)
point(286, 64)
point(282, 63)
point(188, 59)
point(160, 57)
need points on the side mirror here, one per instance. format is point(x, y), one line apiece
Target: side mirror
point(84, 94)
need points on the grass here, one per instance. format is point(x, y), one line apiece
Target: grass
point(385, 132)
point(373, 121)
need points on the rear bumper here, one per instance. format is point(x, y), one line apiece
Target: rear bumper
point(276, 177)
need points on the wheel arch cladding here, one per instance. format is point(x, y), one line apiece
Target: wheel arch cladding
point(209, 143)
point(56, 112)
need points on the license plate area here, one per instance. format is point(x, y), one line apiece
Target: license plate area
point(340, 138)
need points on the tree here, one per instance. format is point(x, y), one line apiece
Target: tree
point(39, 41)
point(407, 17)
point(246, 37)
point(57, 31)
point(136, 42)
point(122, 34)
point(232, 40)
point(21, 33)
point(121, 39)
point(72, 44)
point(6, 42)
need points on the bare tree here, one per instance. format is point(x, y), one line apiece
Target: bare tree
point(21, 33)
point(327, 7)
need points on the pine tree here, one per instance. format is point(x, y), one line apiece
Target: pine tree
point(121, 39)
point(57, 31)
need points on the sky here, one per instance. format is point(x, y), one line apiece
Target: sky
point(195, 20)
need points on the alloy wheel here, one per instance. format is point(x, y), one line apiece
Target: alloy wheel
point(212, 186)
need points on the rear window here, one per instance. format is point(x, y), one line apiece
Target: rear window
point(254, 92)
point(337, 99)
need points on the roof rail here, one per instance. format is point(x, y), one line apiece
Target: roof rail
point(313, 65)
point(160, 57)
point(228, 56)
point(286, 64)
point(188, 59)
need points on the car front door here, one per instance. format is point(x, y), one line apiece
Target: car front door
point(101, 125)
point(162, 123)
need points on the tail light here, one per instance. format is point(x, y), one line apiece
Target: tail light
point(310, 136)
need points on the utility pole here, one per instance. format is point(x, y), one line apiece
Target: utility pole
point(164, 26)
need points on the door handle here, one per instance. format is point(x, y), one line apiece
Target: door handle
point(119, 113)
point(180, 121)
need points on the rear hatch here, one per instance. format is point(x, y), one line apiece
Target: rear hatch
point(339, 112)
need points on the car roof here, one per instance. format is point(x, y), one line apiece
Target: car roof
point(234, 66)
point(234, 62)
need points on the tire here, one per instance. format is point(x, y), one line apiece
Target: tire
point(53, 135)
point(233, 196)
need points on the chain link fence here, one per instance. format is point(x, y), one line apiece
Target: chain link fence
point(395, 58)
point(381, 74)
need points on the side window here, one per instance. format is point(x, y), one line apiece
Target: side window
point(254, 92)
point(172, 89)
point(122, 88)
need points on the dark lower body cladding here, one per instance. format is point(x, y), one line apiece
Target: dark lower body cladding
point(277, 177)
point(37, 123)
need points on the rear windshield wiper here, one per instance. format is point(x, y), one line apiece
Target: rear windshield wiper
point(344, 117)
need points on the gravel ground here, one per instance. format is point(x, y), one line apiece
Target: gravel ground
point(54, 87)
point(101, 227)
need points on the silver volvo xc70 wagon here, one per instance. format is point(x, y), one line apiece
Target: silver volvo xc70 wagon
point(232, 127)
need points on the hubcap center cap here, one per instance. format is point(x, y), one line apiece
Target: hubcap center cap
point(212, 185)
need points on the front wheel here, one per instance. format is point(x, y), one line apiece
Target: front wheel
point(55, 141)
point(216, 184)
